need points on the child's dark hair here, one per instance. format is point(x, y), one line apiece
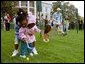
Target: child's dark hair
point(20, 18)
point(22, 15)
point(20, 11)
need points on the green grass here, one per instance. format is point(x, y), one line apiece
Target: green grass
point(60, 49)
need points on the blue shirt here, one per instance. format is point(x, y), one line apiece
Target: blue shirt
point(58, 17)
point(16, 26)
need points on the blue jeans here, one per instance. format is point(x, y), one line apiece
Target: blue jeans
point(17, 40)
point(24, 48)
point(65, 27)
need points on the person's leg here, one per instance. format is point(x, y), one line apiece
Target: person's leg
point(23, 49)
point(34, 49)
point(16, 45)
point(61, 28)
point(63, 33)
point(30, 50)
point(46, 37)
point(34, 44)
point(56, 27)
point(66, 27)
point(6, 25)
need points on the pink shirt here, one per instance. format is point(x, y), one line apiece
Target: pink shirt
point(28, 34)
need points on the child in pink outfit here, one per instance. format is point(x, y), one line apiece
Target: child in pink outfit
point(27, 35)
point(32, 19)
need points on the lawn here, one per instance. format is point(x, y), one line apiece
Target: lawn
point(60, 49)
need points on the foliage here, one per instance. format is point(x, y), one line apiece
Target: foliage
point(68, 11)
point(9, 7)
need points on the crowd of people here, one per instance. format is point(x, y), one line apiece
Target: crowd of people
point(6, 21)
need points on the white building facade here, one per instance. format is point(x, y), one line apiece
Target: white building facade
point(46, 9)
point(31, 6)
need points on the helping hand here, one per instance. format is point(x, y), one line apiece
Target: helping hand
point(24, 39)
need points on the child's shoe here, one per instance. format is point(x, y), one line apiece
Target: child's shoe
point(46, 40)
point(22, 56)
point(31, 54)
point(35, 51)
point(15, 53)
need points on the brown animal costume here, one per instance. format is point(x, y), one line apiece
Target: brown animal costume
point(46, 31)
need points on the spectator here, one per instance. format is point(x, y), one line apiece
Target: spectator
point(58, 20)
point(7, 21)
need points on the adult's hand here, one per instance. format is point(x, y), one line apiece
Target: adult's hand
point(24, 39)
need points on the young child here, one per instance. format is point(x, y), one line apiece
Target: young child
point(46, 30)
point(31, 18)
point(27, 37)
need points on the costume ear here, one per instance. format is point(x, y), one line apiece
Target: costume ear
point(47, 29)
point(31, 25)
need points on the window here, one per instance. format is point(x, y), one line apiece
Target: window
point(32, 10)
point(23, 3)
point(31, 3)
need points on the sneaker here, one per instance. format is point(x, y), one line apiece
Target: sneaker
point(35, 51)
point(15, 53)
point(31, 54)
point(46, 40)
point(22, 56)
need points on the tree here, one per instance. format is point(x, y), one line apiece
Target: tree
point(56, 5)
point(69, 11)
point(7, 6)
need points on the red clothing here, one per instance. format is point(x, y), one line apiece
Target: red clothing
point(9, 18)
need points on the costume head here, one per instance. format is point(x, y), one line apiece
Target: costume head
point(58, 9)
point(31, 18)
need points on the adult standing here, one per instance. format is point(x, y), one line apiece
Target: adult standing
point(80, 24)
point(65, 25)
point(16, 28)
point(58, 20)
point(7, 21)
